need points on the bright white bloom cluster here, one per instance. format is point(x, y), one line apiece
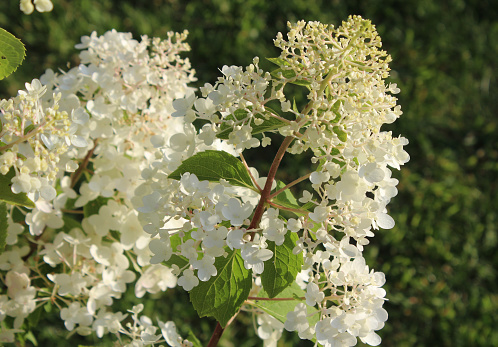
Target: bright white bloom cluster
point(171, 201)
point(102, 121)
point(343, 70)
point(35, 135)
point(203, 211)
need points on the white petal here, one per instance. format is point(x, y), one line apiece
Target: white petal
point(372, 339)
point(78, 141)
point(385, 221)
point(48, 193)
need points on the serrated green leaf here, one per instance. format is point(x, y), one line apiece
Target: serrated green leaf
point(3, 226)
point(6, 194)
point(269, 124)
point(93, 207)
point(223, 295)
point(280, 308)
point(281, 270)
point(214, 165)
point(12, 53)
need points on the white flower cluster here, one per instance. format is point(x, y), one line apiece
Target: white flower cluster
point(109, 121)
point(104, 118)
point(34, 136)
point(204, 210)
point(348, 102)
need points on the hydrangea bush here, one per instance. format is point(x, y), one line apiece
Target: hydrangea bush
point(116, 173)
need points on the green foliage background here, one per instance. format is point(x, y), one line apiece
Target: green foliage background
point(441, 258)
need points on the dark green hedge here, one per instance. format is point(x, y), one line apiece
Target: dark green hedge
point(441, 258)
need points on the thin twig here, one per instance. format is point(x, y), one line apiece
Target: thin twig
point(289, 185)
point(280, 207)
point(273, 299)
point(84, 164)
point(249, 171)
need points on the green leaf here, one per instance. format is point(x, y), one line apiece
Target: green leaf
point(341, 134)
point(289, 74)
point(223, 295)
point(280, 308)
point(294, 105)
point(48, 307)
point(308, 206)
point(287, 199)
point(192, 338)
point(282, 73)
point(93, 207)
point(3, 226)
point(335, 151)
point(286, 73)
point(335, 109)
point(281, 270)
point(214, 165)
point(269, 123)
point(34, 317)
point(6, 194)
point(28, 129)
point(12, 53)
point(278, 61)
point(70, 223)
point(31, 338)
point(179, 260)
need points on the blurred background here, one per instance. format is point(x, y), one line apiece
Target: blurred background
point(441, 258)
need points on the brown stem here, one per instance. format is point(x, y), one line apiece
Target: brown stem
point(215, 338)
point(23, 138)
point(84, 164)
point(72, 211)
point(258, 213)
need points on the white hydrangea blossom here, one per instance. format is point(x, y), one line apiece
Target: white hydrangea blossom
point(123, 120)
point(110, 112)
point(348, 102)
